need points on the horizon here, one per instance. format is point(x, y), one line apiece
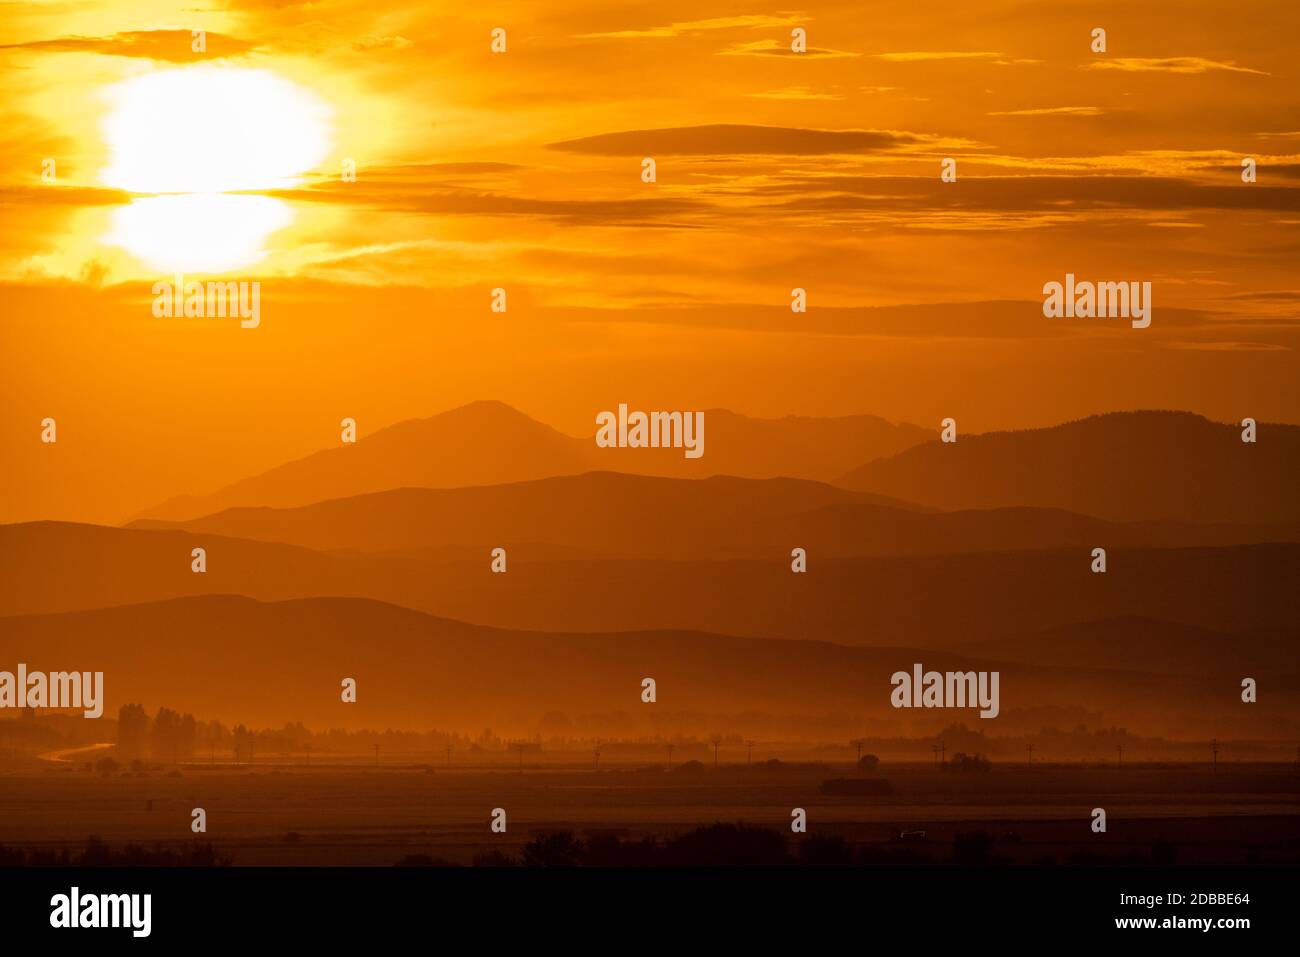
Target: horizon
point(648, 438)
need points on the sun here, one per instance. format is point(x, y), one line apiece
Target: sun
point(195, 141)
point(207, 129)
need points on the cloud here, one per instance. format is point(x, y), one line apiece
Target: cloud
point(403, 197)
point(1052, 111)
point(918, 56)
point(1230, 346)
point(397, 42)
point(1270, 168)
point(472, 167)
point(796, 93)
point(1280, 295)
point(77, 196)
point(733, 139)
point(172, 46)
point(690, 27)
point(987, 319)
point(1172, 64)
point(1066, 195)
point(780, 48)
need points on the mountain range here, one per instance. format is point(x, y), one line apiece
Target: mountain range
point(1123, 466)
point(933, 601)
point(487, 443)
point(269, 664)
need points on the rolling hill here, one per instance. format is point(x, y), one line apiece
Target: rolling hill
point(487, 443)
point(239, 660)
point(1123, 466)
point(933, 601)
point(625, 516)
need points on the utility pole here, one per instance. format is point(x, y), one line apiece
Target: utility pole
point(749, 753)
point(596, 752)
point(716, 741)
point(1214, 752)
point(670, 753)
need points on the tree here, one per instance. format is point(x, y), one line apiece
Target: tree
point(561, 849)
point(241, 742)
point(968, 763)
point(186, 737)
point(166, 735)
point(107, 767)
point(132, 731)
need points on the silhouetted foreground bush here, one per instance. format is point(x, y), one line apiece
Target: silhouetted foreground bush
point(967, 764)
point(744, 845)
point(718, 845)
point(98, 854)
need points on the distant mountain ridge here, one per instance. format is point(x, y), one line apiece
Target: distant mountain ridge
point(489, 442)
point(1138, 643)
point(930, 600)
point(631, 516)
point(270, 664)
point(1122, 466)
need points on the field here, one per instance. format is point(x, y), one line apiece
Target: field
point(299, 814)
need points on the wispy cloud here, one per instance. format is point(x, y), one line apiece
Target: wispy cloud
point(396, 42)
point(689, 27)
point(780, 48)
point(1172, 64)
point(797, 93)
point(728, 139)
point(173, 46)
point(1280, 295)
point(1052, 111)
point(917, 56)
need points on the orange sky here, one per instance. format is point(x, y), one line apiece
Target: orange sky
point(522, 170)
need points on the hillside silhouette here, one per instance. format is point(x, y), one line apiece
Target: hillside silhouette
point(929, 600)
point(483, 442)
point(489, 442)
point(269, 664)
point(627, 516)
point(1134, 643)
point(1123, 466)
